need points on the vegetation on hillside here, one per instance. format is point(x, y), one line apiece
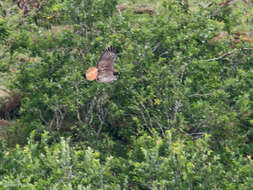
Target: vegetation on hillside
point(179, 116)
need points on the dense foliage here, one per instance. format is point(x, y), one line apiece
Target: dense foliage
point(154, 163)
point(179, 116)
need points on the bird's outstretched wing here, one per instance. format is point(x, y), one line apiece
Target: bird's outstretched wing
point(105, 66)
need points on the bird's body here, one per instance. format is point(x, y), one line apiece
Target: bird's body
point(105, 66)
point(106, 77)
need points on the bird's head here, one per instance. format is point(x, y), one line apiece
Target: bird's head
point(92, 73)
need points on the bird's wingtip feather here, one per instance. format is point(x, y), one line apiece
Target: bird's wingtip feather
point(112, 49)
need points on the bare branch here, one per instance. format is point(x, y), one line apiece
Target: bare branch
point(247, 48)
point(227, 54)
point(200, 95)
point(177, 106)
point(222, 56)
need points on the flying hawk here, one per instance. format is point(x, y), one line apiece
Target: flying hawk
point(104, 71)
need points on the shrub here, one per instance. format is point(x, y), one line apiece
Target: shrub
point(153, 163)
point(171, 76)
point(179, 116)
point(4, 30)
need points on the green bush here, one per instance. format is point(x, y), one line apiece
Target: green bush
point(170, 77)
point(4, 30)
point(174, 163)
point(179, 116)
point(152, 163)
point(58, 166)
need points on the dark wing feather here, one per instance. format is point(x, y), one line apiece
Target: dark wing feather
point(105, 66)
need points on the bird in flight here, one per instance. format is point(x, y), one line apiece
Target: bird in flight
point(104, 70)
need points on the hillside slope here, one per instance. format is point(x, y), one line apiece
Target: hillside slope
point(179, 116)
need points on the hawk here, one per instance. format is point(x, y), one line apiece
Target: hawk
point(104, 71)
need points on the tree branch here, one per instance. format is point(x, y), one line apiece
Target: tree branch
point(222, 56)
point(227, 54)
